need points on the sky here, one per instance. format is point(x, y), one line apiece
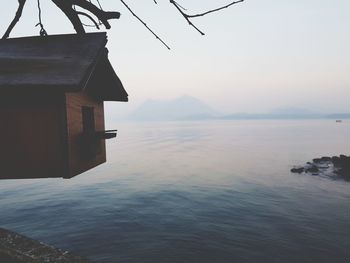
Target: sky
point(256, 56)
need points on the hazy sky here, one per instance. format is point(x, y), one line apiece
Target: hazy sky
point(256, 56)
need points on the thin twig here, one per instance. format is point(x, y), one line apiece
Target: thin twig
point(215, 10)
point(149, 29)
point(188, 17)
point(178, 7)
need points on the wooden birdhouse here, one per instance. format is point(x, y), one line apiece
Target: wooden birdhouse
point(52, 91)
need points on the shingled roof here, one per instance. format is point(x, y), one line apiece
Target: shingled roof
point(67, 63)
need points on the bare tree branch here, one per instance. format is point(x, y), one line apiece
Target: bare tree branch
point(149, 29)
point(89, 17)
point(188, 17)
point(179, 8)
point(67, 9)
point(18, 15)
point(215, 10)
point(100, 14)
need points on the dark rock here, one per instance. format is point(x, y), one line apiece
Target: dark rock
point(317, 160)
point(4, 257)
point(16, 248)
point(346, 164)
point(327, 166)
point(298, 170)
point(344, 161)
point(345, 172)
point(336, 161)
point(312, 169)
point(343, 157)
point(326, 159)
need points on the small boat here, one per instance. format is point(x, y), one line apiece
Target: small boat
point(338, 121)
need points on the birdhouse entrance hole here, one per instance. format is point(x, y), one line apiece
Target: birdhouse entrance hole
point(90, 144)
point(88, 119)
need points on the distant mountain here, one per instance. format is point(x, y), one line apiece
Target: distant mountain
point(291, 111)
point(338, 116)
point(276, 114)
point(190, 108)
point(286, 116)
point(288, 113)
point(182, 108)
point(272, 116)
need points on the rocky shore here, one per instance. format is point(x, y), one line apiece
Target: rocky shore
point(336, 166)
point(15, 248)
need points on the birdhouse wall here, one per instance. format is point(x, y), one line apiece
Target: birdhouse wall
point(31, 136)
point(85, 117)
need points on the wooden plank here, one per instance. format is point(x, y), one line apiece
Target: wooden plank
point(59, 60)
point(78, 163)
point(31, 140)
point(111, 88)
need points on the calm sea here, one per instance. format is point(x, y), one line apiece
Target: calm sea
point(196, 192)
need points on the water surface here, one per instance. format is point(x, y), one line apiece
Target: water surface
point(195, 192)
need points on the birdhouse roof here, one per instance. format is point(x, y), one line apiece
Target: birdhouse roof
point(67, 63)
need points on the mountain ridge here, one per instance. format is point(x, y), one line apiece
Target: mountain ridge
point(176, 109)
point(190, 108)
